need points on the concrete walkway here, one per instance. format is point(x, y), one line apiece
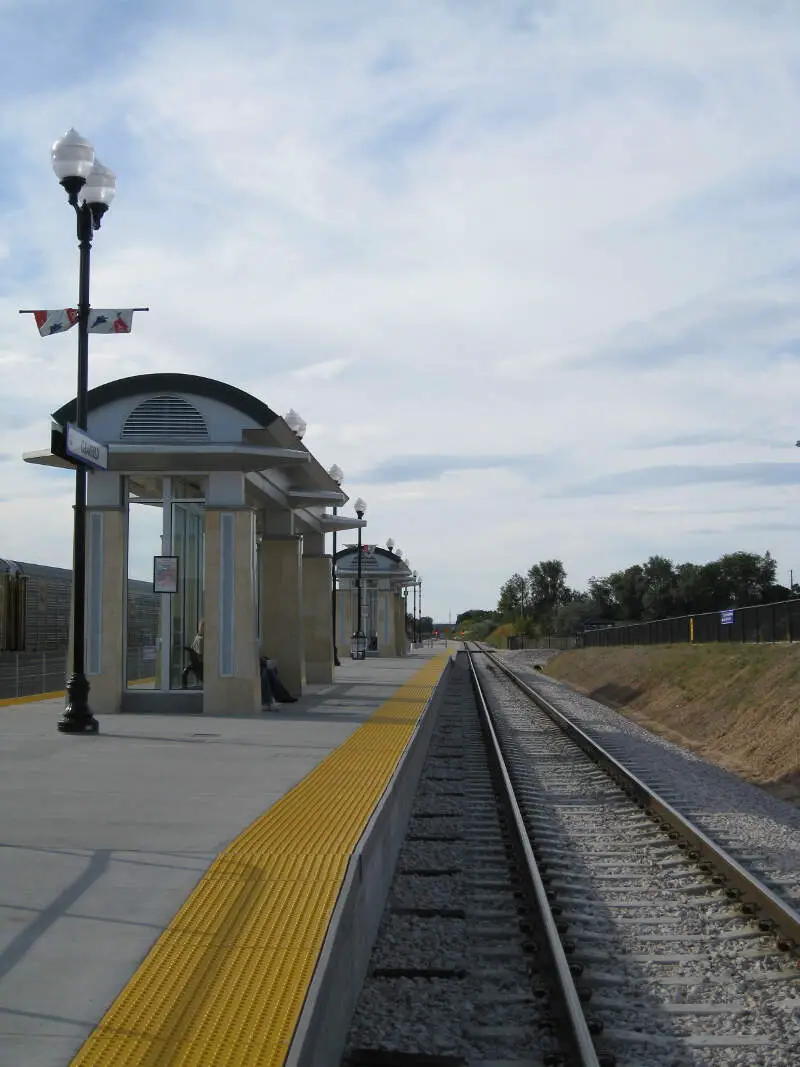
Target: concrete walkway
point(104, 837)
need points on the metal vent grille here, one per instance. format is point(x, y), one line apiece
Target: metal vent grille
point(165, 416)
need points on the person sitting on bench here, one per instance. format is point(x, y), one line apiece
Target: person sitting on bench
point(195, 666)
point(273, 691)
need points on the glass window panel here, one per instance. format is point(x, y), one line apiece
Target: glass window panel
point(189, 487)
point(187, 604)
point(143, 608)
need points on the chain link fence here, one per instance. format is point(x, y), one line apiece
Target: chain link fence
point(767, 623)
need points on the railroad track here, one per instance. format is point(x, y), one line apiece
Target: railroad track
point(688, 956)
point(468, 967)
point(548, 908)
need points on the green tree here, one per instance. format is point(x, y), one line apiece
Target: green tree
point(658, 597)
point(512, 597)
point(547, 582)
point(603, 600)
point(629, 587)
point(744, 576)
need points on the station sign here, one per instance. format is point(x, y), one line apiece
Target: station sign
point(85, 449)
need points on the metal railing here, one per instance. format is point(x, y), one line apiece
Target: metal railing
point(24, 674)
point(767, 623)
point(28, 674)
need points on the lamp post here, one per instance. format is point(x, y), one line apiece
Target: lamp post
point(359, 651)
point(336, 473)
point(390, 544)
point(90, 188)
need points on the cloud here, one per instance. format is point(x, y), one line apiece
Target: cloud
point(396, 469)
point(654, 478)
point(700, 439)
point(451, 235)
point(326, 370)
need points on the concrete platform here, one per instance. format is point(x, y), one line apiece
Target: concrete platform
point(104, 837)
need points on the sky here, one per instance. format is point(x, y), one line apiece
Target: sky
point(528, 270)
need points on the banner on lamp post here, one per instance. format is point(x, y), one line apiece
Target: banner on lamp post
point(101, 320)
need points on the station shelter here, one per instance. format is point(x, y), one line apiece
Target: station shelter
point(385, 578)
point(213, 502)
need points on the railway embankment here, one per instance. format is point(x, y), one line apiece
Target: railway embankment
point(737, 706)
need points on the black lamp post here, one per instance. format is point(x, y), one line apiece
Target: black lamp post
point(90, 188)
point(360, 636)
point(337, 475)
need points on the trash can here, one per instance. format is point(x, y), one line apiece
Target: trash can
point(358, 646)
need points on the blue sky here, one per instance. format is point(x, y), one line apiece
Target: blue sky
point(529, 270)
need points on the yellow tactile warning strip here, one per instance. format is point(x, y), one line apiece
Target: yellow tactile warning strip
point(226, 981)
point(8, 702)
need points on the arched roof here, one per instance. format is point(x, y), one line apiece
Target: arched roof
point(194, 384)
point(377, 559)
point(376, 550)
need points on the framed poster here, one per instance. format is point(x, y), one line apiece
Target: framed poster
point(165, 574)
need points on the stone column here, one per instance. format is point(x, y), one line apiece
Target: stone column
point(231, 677)
point(105, 608)
point(397, 614)
point(282, 608)
point(385, 619)
point(106, 536)
point(317, 636)
point(343, 620)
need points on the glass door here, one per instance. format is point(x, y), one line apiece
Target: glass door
point(164, 639)
point(186, 624)
point(143, 621)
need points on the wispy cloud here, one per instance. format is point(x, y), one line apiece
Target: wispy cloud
point(673, 477)
point(701, 439)
point(413, 468)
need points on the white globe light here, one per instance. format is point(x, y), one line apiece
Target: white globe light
point(360, 506)
point(295, 423)
point(72, 156)
point(100, 185)
point(336, 473)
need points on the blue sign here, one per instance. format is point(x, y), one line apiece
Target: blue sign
point(726, 617)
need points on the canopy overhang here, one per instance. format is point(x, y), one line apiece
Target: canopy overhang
point(166, 457)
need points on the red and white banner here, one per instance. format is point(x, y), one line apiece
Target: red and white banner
point(50, 322)
point(111, 321)
point(100, 320)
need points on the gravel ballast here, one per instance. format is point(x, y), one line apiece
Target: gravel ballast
point(759, 830)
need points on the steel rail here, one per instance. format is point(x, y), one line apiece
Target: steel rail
point(576, 1031)
point(744, 887)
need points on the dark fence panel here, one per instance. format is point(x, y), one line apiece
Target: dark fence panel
point(548, 641)
point(25, 674)
point(768, 623)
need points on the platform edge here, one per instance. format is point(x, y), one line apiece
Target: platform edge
point(321, 1031)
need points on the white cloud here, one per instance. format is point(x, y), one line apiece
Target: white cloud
point(429, 227)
